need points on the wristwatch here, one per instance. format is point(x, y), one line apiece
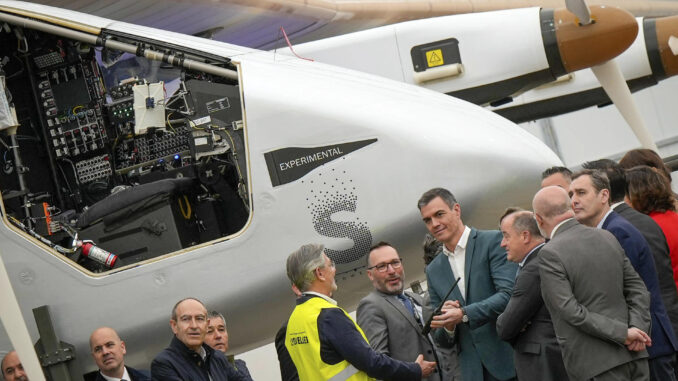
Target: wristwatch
point(464, 317)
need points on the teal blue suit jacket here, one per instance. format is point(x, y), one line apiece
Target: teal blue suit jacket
point(489, 279)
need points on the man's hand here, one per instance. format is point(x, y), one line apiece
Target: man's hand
point(451, 316)
point(427, 367)
point(637, 340)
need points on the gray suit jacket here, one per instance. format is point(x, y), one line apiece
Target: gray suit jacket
point(526, 324)
point(593, 295)
point(391, 329)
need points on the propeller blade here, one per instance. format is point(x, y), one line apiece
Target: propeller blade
point(610, 77)
point(673, 44)
point(579, 9)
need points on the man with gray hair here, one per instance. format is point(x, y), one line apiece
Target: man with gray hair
point(526, 323)
point(217, 338)
point(598, 303)
point(12, 370)
point(323, 341)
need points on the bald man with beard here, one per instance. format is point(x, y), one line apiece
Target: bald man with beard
point(598, 303)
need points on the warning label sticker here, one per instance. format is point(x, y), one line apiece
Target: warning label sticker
point(434, 58)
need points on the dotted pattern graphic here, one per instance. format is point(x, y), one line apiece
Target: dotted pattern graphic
point(332, 191)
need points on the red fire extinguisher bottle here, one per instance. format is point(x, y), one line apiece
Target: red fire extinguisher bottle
point(98, 254)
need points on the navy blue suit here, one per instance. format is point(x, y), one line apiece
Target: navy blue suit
point(664, 341)
point(178, 363)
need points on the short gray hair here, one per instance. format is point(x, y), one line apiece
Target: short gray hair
point(215, 314)
point(509, 211)
point(302, 263)
point(443, 193)
point(174, 309)
point(2, 363)
point(524, 221)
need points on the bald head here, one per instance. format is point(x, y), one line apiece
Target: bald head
point(108, 351)
point(103, 331)
point(551, 201)
point(551, 206)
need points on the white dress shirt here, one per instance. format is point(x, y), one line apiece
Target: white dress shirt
point(322, 296)
point(457, 259)
point(125, 376)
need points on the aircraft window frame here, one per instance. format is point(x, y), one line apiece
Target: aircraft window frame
point(226, 137)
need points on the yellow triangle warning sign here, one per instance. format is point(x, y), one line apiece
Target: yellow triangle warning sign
point(434, 58)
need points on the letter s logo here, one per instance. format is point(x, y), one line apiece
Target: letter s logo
point(331, 193)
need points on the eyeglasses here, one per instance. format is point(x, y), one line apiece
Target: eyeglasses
point(382, 267)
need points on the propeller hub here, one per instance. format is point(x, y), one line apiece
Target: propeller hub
point(583, 46)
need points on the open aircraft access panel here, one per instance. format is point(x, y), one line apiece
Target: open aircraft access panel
point(110, 158)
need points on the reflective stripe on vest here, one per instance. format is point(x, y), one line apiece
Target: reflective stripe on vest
point(345, 374)
point(302, 341)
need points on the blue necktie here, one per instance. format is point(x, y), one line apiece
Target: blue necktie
point(407, 303)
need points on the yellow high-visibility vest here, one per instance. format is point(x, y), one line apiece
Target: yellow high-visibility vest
point(303, 344)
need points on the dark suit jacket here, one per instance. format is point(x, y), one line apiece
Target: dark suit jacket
point(660, 252)
point(526, 324)
point(178, 363)
point(489, 279)
point(135, 375)
point(288, 371)
point(593, 295)
point(391, 329)
point(663, 338)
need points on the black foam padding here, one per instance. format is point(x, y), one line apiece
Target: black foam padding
point(129, 196)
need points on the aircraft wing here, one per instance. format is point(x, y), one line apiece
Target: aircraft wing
point(257, 23)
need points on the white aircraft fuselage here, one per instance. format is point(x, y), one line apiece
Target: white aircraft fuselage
point(333, 156)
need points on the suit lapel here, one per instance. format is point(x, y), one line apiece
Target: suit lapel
point(401, 310)
point(533, 256)
point(468, 258)
point(608, 220)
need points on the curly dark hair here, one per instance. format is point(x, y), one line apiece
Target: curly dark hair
point(649, 190)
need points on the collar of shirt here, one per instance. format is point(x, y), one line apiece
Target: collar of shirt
point(522, 263)
point(616, 204)
point(461, 244)
point(202, 353)
point(602, 220)
point(553, 232)
point(125, 376)
point(322, 296)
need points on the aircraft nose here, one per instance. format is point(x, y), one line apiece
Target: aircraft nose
point(581, 46)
